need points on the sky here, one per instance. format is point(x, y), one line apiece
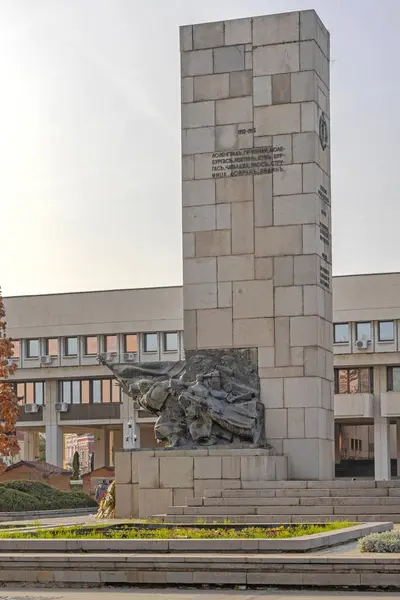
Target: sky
point(90, 138)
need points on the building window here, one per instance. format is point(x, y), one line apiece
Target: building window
point(96, 391)
point(71, 346)
point(393, 379)
point(85, 392)
point(115, 391)
point(76, 392)
point(16, 348)
point(39, 393)
point(52, 347)
point(90, 391)
point(363, 332)
point(30, 392)
point(353, 381)
point(91, 345)
point(341, 333)
point(150, 342)
point(130, 342)
point(170, 342)
point(105, 391)
point(32, 348)
point(386, 331)
point(112, 344)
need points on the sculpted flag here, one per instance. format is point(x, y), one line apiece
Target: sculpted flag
point(8, 402)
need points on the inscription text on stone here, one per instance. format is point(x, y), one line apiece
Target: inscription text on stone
point(249, 161)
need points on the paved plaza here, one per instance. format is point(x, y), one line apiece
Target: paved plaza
point(170, 594)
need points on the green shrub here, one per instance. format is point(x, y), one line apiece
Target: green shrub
point(14, 500)
point(35, 495)
point(388, 541)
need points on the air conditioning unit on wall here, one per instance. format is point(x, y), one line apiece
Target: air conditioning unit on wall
point(31, 408)
point(46, 360)
point(129, 356)
point(362, 344)
point(62, 407)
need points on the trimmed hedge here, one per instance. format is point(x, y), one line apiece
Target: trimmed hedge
point(34, 495)
point(388, 541)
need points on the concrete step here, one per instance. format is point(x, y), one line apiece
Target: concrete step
point(198, 511)
point(316, 485)
point(278, 519)
point(306, 493)
point(324, 501)
point(320, 485)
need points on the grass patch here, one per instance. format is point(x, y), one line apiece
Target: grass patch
point(34, 495)
point(138, 533)
point(387, 541)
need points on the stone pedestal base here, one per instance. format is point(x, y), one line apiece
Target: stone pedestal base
point(150, 481)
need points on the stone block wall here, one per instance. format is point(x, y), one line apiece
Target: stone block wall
point(256, 216)
point(150, 481)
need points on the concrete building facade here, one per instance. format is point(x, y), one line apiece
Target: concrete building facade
point(366, 346)
point(61, 387)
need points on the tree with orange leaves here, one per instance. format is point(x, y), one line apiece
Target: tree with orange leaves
point(8, 402)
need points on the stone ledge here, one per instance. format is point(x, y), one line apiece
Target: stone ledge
point(98, 570)
point(300, 544)
point(45, 514)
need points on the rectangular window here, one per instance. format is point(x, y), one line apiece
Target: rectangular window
point(39, 392)
point(170, 342)
point(91, 345)
point(386, 331)
point(20, 393)
point(76, 392)
point(354, 381)
point(71, 346)
point(85, 392)
point(30, 392)
point(16, 348)
point(32, 348)
point(66, 392)
point(352, 444)
point(52, 347)
point(150, 342)
point(115, 391)
point(112, 344)
point(96, 391)
point(130, 344)
point(393, 379)
point(363, 332)
point(341, 333)
point(106, 390)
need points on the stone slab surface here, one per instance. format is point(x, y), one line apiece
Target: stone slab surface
point(310, 570)
point(156, 479)
point(175, 594)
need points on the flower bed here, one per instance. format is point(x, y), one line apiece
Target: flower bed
point(180, 532)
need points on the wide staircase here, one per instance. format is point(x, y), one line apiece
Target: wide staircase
point(293, 502)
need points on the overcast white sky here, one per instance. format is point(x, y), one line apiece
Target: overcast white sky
point(90, 138)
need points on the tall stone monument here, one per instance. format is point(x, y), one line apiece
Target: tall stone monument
point(257, 217)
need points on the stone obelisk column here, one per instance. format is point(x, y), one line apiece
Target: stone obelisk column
point(256, 216)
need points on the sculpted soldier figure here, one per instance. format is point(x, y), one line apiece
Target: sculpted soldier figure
point(219, 406)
